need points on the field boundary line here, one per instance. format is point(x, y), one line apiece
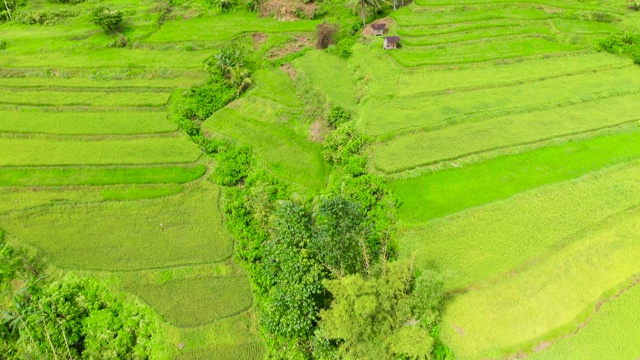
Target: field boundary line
point(87, 137)
point(578, 323)
point(473, 117)
point(561, 139)
point(531, 57)
point(530, 80)
point(89, 89)
point(530, 3)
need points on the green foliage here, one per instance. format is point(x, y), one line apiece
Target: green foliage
point(344, 48)
point(628, 44)
point(372, 317)
point(338, 115)
point(108, 19)
point(233, 166)
point(100, 176)
point(200, 101)
point(341, 237)
point(342, 144)
point(79, 318)
point(290, 306)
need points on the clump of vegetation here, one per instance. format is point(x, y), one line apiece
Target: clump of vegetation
point(70, 317)
point(337, 116)
point(633, 5)
point(627, 44)
point(389, 314)
point(326, 34)
point(4, 44)
point(10, 6)
point(108, 19)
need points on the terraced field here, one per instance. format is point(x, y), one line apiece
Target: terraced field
point(513, 147)
point(510, 142)
point(95, 175)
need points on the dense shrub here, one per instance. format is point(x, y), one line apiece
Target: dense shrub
point(200, 101)
point(233, 166)
point(342, 143)
point(628, 44)
point(337, 115)
point(110, 20)
point(633, 5)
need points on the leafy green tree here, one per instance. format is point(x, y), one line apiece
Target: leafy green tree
point(110, 20)
point(341, 236)
point(290, 308)
point(372, 317)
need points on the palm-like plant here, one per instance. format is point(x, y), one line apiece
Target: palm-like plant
point(239, 78)
point(364, 4)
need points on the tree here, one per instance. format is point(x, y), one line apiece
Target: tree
point(109, 20)
point(289, 311)
point(364, 4)
point(372, 316)
point(340, 239)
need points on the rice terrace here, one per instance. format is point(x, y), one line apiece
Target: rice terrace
point(320, 179)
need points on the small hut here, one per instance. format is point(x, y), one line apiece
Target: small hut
point(378, 29)
point(391, 42)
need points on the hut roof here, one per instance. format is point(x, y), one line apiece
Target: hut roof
point(393, 39)
point(380, 26)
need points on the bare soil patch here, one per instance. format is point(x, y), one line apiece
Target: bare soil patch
point(258, 40)
point(289, 70)
point(319, 130)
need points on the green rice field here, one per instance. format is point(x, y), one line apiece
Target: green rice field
point(511, 143)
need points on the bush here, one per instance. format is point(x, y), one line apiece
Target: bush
point(337, 115)
point(67, 1)
point(233, 166)
point(109, 20)
point(342, 143)
point(343, 48)
point(633, 5)
point(3, 44)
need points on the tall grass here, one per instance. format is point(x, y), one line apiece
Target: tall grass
point(550, 298)
point(225, 27)
point(480, 52)
point(287, 154)
point(475, 35)
point(611, 334)
point(407, 17)
point(52, 98)
point(414, 112)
